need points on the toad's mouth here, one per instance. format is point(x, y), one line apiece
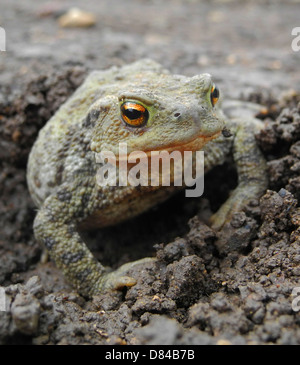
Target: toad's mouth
point(194, 144)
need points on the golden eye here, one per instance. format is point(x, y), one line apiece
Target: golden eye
point(214, 95)
point(134, 114)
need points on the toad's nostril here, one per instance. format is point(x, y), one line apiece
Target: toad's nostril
point(176, 115)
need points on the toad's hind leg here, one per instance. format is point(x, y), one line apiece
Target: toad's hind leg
point(251, 169)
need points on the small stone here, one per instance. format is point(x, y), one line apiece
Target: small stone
point(224, 342)
point(25, 312)
point(238, 219)
point(76, 17)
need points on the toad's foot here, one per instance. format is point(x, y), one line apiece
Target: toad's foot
point(117, 280)
point(238, 199)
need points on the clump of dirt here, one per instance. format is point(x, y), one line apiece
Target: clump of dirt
point(205, 287)
point(24, 109)
point(280, 141)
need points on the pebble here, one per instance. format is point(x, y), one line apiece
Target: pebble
point(76, 17)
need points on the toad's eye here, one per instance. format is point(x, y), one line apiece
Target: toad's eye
point(214, 95)
point(134, 114)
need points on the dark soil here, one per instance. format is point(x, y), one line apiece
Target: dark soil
point(206, 287)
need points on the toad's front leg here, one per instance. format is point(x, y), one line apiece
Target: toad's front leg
point(251, 169)
point(55, 226)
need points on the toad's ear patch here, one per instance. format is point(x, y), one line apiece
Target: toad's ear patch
point(91, 118)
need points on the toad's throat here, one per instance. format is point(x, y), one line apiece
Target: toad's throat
point(194, 144)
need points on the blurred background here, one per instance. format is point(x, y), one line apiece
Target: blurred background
point(245, 45)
